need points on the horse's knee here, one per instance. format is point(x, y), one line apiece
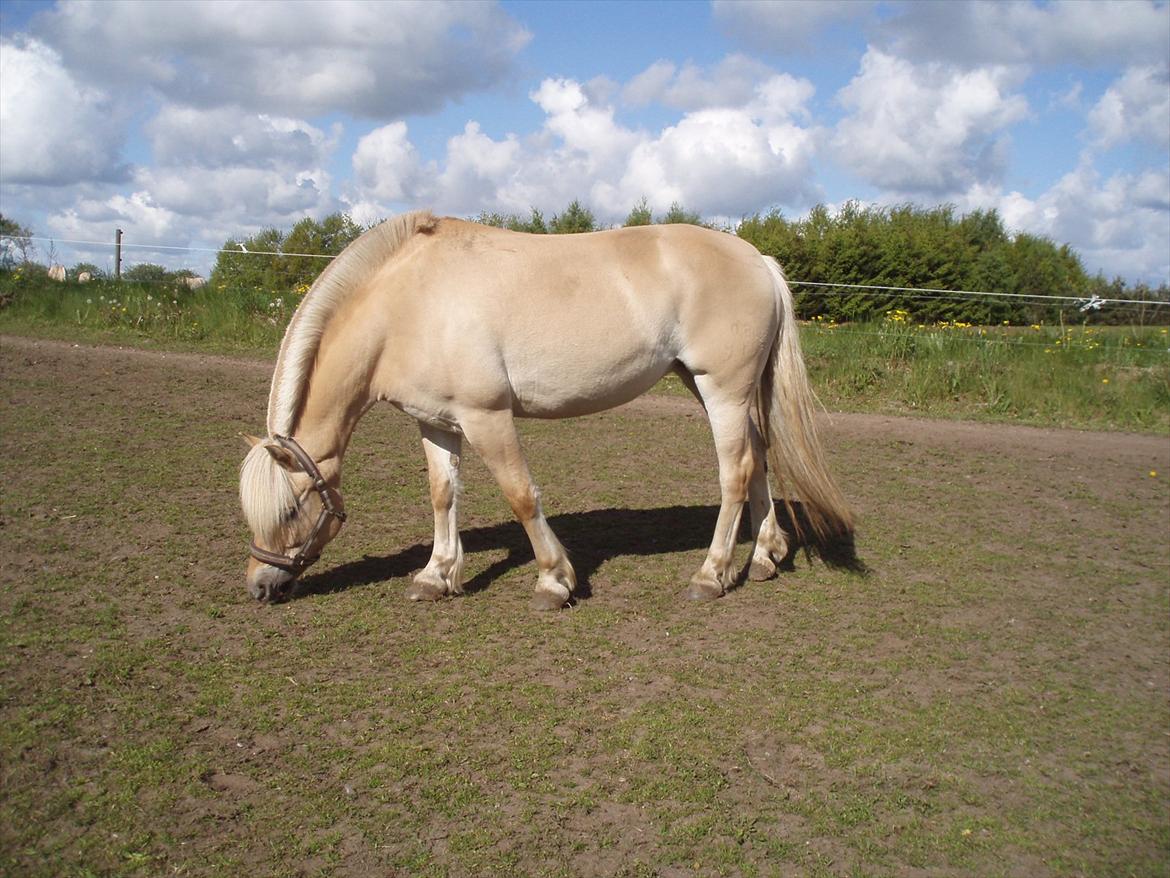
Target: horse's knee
point(525, 502)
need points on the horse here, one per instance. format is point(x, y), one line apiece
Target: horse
point(467, 327)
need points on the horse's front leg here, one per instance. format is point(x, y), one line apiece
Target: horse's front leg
point(443, 574)
point(493, 435)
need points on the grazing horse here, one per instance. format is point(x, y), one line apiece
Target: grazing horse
point(466, 327)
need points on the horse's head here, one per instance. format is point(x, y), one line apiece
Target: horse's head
point(292, 509)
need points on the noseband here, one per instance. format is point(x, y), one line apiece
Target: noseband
point(295, 564)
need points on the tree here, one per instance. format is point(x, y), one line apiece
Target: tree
point(640, 215)
point(313, 239)
point(918, 248)
point(147, 273)
point(678, 214)
point(533, 225)
point(575, 219)
point(250, 263)
point(16, 243)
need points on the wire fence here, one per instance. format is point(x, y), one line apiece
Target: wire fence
point(1083, 303)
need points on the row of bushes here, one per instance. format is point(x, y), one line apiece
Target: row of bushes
point(827, 255)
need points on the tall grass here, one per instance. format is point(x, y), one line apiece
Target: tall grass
point(1074, 376)
point(236, 318)
point(1079, 376)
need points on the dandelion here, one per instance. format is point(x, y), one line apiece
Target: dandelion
point(1153, 474)
point(1104, 380)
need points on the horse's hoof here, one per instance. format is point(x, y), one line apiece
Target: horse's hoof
point(423, 588)
point(762, 569)
point(701, 590)
point(544, 601)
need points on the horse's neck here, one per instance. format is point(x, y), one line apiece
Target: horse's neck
point(334, 404)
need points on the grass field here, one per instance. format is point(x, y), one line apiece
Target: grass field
point(992, 699)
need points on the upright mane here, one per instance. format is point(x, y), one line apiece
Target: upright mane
point(298, 350)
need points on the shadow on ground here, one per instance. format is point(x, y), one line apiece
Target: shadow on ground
point(592, 538)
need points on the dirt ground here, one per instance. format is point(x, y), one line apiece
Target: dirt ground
point(992, 699)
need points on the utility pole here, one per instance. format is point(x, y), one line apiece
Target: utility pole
point(118, 255)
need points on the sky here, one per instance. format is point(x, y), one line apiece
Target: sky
point(189, 123)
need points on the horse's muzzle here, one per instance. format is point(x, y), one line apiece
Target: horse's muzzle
point(270, 585)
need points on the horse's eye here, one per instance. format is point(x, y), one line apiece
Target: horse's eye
point(292, 514)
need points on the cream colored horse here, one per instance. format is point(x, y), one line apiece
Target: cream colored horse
point(467, 327)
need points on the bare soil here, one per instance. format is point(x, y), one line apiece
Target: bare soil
point(992, 699)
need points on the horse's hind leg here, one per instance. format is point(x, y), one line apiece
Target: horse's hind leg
point(493, 435)
point(730, 425)
point(443, 574)
point(771, 544)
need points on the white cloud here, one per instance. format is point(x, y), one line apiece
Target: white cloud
point(785, 28)
point(720, 161)
point(253, 196)
point(1119, 223)
point(374, 59)
point(723, 160)
point(589, 134)
point(974, 32)
point(927, 129)
point(386, 165)
point(229, 136)
point(53, 129)
point(476, 169)
point(138, 215)
point(1135, 107)
point(730, 83)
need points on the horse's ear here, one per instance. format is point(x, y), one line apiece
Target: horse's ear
point(279, 453)
point(283, 456)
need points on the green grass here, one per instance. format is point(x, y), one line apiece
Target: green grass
point(159, 315)
point(1082, 376)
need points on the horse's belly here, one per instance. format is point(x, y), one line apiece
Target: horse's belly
point(576, 384)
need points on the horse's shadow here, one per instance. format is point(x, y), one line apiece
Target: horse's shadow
point(593, 538)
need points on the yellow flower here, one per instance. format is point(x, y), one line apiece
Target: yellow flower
point(1153, 474)
point(1104, 380)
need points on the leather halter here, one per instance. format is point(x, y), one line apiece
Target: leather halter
point(295, 564)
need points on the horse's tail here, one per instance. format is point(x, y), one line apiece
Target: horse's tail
point(787, 408)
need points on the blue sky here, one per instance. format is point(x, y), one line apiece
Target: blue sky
point(187, 123)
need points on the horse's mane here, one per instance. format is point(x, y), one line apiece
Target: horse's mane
point(298, 350)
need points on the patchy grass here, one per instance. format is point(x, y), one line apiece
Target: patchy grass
point(990, 700)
